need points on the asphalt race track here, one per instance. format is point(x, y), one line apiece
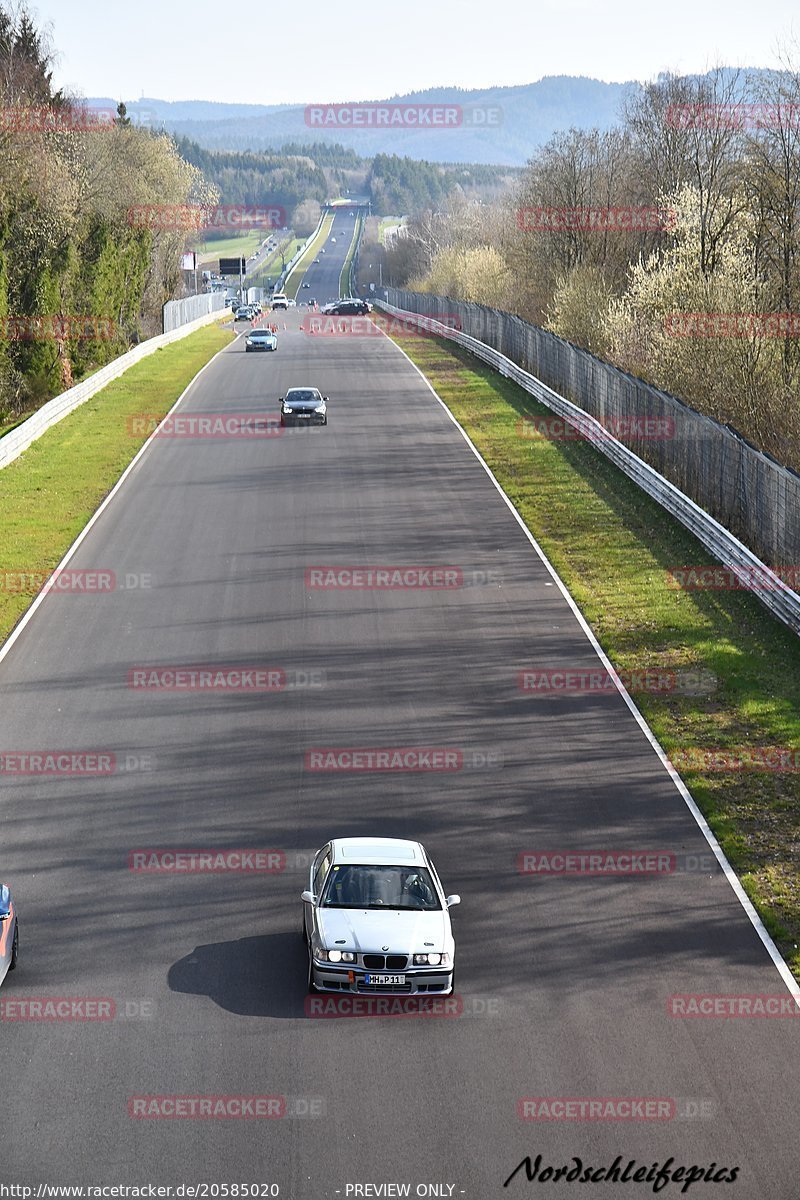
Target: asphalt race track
point(562, 983)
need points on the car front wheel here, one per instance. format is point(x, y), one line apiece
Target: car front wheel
point(311, 986)
point(14, 949)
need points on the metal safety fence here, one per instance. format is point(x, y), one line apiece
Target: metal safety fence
point(742, 505)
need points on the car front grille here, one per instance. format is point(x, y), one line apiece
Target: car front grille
point(381, 962)
point(379, 988)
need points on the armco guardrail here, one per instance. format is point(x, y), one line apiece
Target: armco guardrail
point(19, 439)
point(764, 583)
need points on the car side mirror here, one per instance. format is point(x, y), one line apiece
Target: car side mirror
point(280, 399)
point(451, 900)
point(325, 398)
point(309, 897)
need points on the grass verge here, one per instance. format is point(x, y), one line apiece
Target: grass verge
point(736, 670)
point(295, 276)
point(225, 245)
point(346, 283)
point(49, 493)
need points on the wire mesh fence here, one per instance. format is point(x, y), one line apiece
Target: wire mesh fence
point(744, 489)
point(190, 308)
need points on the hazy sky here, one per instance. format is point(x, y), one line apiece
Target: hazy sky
point(275, 53)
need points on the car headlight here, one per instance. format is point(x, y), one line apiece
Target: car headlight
point(431, 960)
point(320, 408)
point(335, 956)
point(287, 408)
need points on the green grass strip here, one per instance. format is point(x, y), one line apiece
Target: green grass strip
point(613, 547)
point(49, 493)
point(295, 276)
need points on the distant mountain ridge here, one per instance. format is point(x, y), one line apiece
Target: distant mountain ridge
point(529, 114)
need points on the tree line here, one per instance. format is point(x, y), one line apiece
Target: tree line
point(669, 245)
point(80, 280)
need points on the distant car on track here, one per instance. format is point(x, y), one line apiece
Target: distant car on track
point(279, 300)
point(9, 932)
point(243, 314)
point(376, 919)
point(349, 307)
point(261, 339)
point(304, 406)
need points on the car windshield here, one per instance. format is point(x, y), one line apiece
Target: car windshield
point(301, 395)
point(379, 886)
point(261, 333)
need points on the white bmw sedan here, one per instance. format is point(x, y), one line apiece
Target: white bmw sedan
point(376, 920)
point(9, 933)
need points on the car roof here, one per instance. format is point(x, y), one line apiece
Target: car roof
point(378, 850)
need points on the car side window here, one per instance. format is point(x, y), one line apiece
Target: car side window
point(321, 871)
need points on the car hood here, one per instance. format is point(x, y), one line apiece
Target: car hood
point(368, 930)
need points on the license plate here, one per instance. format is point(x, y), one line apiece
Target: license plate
point(386, 980)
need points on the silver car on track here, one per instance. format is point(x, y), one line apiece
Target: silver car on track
point(376, 920)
